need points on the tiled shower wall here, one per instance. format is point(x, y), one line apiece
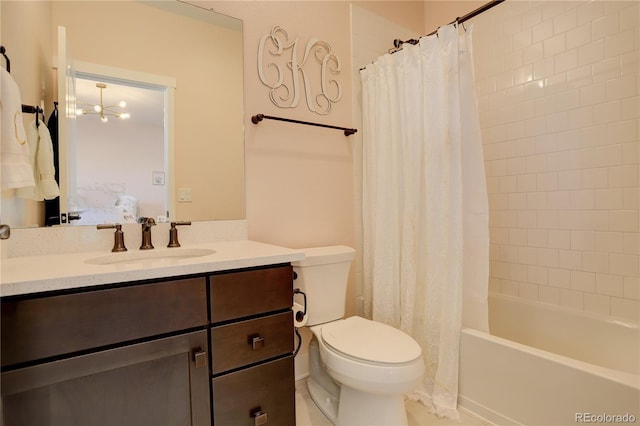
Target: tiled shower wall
point(558, 86)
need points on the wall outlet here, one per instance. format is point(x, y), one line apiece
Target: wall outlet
point(184, 195)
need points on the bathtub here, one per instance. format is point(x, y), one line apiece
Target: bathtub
point(546, 365)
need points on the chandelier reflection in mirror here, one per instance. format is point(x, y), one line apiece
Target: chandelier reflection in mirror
point(102, 110)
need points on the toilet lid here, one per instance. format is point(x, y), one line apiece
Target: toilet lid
point(371, 341)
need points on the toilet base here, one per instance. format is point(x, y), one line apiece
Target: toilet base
point(358, 408)
point(324, 400)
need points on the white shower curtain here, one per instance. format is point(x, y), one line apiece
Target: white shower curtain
point(425, 210)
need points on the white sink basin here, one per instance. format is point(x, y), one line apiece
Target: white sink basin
point(150, 256)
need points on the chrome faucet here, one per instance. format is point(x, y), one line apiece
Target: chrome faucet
point(147, 223)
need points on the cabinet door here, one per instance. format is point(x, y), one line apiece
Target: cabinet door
point(250, 397)
point(161, 382)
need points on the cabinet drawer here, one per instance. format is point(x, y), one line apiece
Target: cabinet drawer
point(268, 388)
point(240, 294)
point(247, 342)
point(38, 328)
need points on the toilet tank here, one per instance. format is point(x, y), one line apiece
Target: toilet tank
point(323, 275)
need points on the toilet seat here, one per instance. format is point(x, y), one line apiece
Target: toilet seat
point(369, 341)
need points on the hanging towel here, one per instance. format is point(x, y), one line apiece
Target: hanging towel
point(41, 156)
point(15, 165)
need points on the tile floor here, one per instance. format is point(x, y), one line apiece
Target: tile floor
point(307, 414)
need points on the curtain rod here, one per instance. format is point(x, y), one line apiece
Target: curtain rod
point(397, 43)
point(259, 117)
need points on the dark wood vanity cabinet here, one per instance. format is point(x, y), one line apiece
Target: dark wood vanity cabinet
point(252, 344)
point(213, 349)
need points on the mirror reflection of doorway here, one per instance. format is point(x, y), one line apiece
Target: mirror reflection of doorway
point(117, 161)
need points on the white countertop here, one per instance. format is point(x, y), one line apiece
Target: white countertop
point(34, 274)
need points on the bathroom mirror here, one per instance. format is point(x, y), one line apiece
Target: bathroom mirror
point(199, 49)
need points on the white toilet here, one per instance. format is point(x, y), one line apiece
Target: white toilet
point(358, 369)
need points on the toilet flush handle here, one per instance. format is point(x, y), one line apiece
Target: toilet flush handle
point(259, 416)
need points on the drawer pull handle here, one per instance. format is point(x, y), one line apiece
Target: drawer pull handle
point(200, 359)
point(256, 341)
point(259, 416)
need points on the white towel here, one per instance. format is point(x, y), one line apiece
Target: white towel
point(41, 156)
point(15, 165)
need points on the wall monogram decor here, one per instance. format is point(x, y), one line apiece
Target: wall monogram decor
point(287, 75)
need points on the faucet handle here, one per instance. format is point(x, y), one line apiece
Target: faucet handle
point(173, 233)
point(118, 236)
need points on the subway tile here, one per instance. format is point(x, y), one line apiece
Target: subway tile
point(579, 36)
point(570, 219)
point(547, 219)
point(623, 176)
point(560, 278)
point(532, 16)
point(597, 303)
point(628, 62)
point(560, 239)
point(567, 100)
point(583, 240)
point(517, 201)
point(509, 253)
point(537, 163)
point(630, 108)
point(582, 199)
point(547, 181)
point(571, 299)
point(525, 147)
point(606, 69)
point(610, 242)
point(622, 87)
point(537, 200)
point(590, 11)
point(609, 198)
point(494, 284)
point(591, 53)
point(593, 94)
point(632, 288)
point(583, 281)
point(595, 262)
point(522, 39)
point(548, 257)
point(569, 179)
point(570, 259)
point(527, 219)
point(537, 274)
point(555, 45)
point(526, 183)
point(555, 84)
point(620, 43)
point(528, 255)
point(509, 287)
point(565, 21)
point(630, 198)
point(631, 243)
point(533, 53)
point(528, 291)
point(500, 270)
point(548, 294)
point(625, 308)
point(499, 235)
point(581, 117)
point(623, 264)
point(550, 9)
point(630, 153)
point(498, 201)
point(508, 184)
point(608, 112)
point(609, 284)
point(514, 59)
point(595, 178)
point(542, 31)
point(537, 237)
point(543, 68)
point(516, 166)
point(558, 122)
point(629, 17)
point(605, 26)
point(566, 61)
point(622, 131)
point(595, 220)
point(518, 272)
point(594, 136)
point(623, 220)
point(563, 160)
point(579, 77)
point(517, 237)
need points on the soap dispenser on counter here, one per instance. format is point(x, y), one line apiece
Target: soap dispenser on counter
point(173, 233)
